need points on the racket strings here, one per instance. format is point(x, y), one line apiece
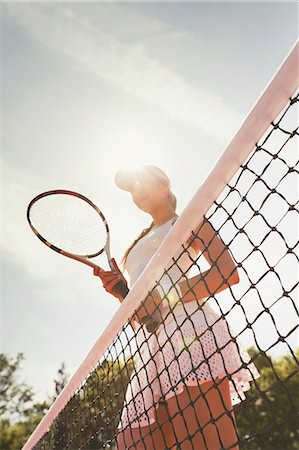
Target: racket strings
point(69, 223)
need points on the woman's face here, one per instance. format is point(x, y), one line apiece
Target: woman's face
point(150, 195)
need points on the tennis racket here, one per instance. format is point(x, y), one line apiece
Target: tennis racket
point(70, 224)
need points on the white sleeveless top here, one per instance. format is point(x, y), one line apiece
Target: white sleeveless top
point(144, 250)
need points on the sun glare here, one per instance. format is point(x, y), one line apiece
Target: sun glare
point(133, 146)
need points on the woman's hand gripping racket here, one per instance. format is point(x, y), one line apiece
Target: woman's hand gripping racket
point(70, 224)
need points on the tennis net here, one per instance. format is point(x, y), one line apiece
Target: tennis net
point(175, 373)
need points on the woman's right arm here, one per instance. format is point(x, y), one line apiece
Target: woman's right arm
point(110, 279)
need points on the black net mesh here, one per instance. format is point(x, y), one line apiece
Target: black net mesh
point(214, 364)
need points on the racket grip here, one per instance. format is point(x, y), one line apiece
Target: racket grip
point(121, 288)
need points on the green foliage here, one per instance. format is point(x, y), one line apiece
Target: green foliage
point(14, 435)
point(15, 397)
point(90, 419)
point(60, 382)
point(267, 419)
point(20, 414)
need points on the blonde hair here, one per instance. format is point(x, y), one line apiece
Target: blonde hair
point(173, 202)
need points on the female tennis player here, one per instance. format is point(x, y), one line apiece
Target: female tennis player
point(179, 395)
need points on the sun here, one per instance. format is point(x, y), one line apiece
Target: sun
point(132, 145)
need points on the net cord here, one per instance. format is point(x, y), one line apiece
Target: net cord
point(274, 98)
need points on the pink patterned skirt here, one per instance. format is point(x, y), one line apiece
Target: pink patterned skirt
point(187, 349)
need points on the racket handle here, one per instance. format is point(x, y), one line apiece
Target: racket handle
point(121, 288)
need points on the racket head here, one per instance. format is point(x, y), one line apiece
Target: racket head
point(69, 223)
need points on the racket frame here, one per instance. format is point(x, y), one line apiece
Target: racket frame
point(81, 258)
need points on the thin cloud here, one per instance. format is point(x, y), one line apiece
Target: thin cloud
point(127, 65)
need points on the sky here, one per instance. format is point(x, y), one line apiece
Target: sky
point(88, 88)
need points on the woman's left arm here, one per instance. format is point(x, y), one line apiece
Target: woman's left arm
point(223, 271)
